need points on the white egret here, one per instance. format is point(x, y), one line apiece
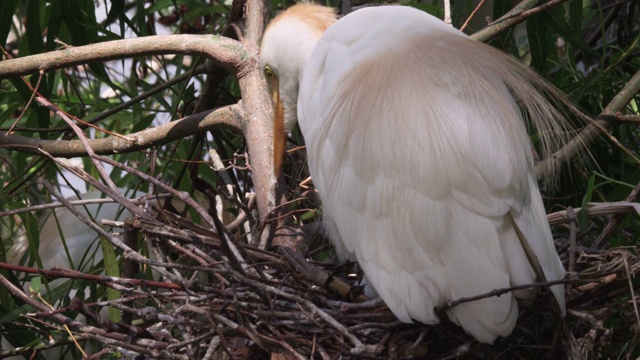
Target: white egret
point(417, 145)
point(78, 237)
point(79, 249)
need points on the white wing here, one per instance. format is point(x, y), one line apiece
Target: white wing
point(79, 238)
point(423, 165)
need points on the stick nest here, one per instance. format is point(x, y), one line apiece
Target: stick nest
point(219, 299)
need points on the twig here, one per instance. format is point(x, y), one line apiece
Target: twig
point(449, 304)
point(614, 222)
point(473, 13)
point(26, 107)
point(596, 209)
point(517, 15)
point(634, 301)
point(83, 140)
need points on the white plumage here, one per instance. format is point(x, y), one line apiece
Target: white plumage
point(78, 237)
point(421, 158)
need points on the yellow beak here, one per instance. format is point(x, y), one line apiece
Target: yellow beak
point(279, 136)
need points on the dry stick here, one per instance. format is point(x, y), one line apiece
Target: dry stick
point(33, 95)
point(187, 236)
point(258, 338)
point(229, 243)
point(147, 346)
point(83, 140)
point(633, 295)
point(517, 15)
point(497, 292)
point(473, 13)
point(596, 209)
point(101, 187)
point(179, 194)
point(127, 251)
point(447, 12)
point(57, 273)
point(54, 205)
point(358, 346)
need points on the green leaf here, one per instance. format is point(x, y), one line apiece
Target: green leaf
point(32, 232)
point(36, 285)
point(582, 215)
point(7, 10)
point(111, 268)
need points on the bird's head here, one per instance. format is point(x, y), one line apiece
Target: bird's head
point(286, 46)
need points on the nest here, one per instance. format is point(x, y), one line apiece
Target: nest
point(221, 299)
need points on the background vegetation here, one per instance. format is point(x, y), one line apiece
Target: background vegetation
point(233, 290)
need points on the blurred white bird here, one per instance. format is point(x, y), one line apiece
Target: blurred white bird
point(419, 151)
point(78, 237)
point(66, 230)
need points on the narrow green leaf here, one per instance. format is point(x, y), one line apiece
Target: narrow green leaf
point(582, 215)
point(111, 268)
point(7, 10)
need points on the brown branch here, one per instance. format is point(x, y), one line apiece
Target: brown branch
point(258, 126)
point(83, 140)
point(185, 198)
point(59, 273)
point(141, 345)
point(517, 15)
point(596, 209)
point(615, 221)
point(229, 116)
point(225, 52)
point(497, 292)
point(256, 14)
point(473, 13)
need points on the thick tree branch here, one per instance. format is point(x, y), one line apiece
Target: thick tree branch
point(207, 120)
point(225, 52)
point(258, 123)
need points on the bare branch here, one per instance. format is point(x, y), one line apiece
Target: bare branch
point(227, 53)
point(229, 116)
point(517, 15)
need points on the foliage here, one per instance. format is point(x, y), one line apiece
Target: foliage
point(590, 50)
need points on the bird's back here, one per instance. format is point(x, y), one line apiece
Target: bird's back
point(423, 164)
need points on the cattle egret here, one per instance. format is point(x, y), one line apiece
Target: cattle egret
point(417, 145)
point(78, 236)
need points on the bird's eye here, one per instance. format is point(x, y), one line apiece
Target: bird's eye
point(268, 72)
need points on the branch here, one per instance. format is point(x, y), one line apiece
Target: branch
point(229, 116)
point(225, 52)
point(602, 123)
point(497, 292)
point(61, 273)
point(258, 127)
point(517, 15)
point(138, 344)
